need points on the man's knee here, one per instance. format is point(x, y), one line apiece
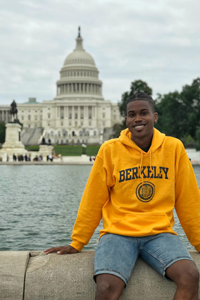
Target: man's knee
point(109, 287)
point(105, 287)
point(184, 273)
point(190, 276)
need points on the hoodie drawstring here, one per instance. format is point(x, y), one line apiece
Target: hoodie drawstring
point(150, 158)
point(141, 164)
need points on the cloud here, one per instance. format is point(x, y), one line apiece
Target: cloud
point(157, 42)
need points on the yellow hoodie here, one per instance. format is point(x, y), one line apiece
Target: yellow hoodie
point(135, 191)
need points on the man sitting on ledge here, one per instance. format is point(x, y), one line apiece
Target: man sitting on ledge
point(134, 185)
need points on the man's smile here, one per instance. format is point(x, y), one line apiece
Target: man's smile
point(139, 127)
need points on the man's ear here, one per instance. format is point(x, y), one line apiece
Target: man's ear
point(155, 117)
point(126, 121)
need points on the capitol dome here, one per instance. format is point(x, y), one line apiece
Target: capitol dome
point(79, 55)
point(79, 76)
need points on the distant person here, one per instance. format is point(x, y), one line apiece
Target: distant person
point(135, 183)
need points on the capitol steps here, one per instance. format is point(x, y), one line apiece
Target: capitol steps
point(31, 136)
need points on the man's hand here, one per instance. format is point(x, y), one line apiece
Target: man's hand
point(62, 250)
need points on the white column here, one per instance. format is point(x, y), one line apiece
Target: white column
point(85, 112)
point(58, 111)
point(79, 115)
point(65, 112)
point(93, 111)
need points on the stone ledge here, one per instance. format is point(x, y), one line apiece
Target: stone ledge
point(61, 277)
point(13, 265)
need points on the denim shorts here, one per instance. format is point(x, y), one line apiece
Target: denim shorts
point(117, 254)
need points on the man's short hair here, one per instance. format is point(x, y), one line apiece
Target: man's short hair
point(141, 96)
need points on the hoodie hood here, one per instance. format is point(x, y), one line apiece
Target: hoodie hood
point(158, 138)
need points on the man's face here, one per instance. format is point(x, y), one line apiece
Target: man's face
point(140, 120)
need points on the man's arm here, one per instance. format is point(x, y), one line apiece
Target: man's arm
point(95, 195)
point(62, 250)
point(188, 201)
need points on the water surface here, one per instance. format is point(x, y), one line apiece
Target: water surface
point(39, 205)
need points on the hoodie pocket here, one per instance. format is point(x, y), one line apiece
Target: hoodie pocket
point(142, 223)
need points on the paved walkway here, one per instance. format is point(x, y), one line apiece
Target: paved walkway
point(72, 161)
point(66, 160)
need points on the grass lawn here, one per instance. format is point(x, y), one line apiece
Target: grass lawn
point(32, 148)
point(70, 150)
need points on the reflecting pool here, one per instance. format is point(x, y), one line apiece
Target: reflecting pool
point(39, 205)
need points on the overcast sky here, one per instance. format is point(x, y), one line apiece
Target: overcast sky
point(155, 41)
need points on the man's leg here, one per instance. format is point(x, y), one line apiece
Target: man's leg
point(115, 258)
point(109, 287)
point(186, 276)
point(167, 255)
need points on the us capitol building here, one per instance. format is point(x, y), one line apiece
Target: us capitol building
point(78, 113)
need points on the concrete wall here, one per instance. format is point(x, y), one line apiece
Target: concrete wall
point(193, 155)
point(37, 276)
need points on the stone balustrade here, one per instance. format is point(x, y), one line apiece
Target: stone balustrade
point(34, 275)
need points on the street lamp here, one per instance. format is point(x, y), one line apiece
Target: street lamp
point(101, 137)
point(84, 149)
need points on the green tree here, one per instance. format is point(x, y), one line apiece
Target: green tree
point(198, 138)
point(2, 132)
point(190, 96)
point(117, 128)
point(179, 113)
point(170, 110)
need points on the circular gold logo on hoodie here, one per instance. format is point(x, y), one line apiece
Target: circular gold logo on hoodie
point(145, 191)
